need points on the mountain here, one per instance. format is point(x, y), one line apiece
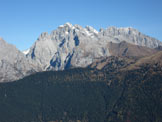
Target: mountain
point(74, 46)
point(130, 35)
point(13, 63)
point(116, 92)
point(71, 46)
point(68, 46)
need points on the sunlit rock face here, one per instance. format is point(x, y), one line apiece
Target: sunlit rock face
point(13, 63)
point(74, 46)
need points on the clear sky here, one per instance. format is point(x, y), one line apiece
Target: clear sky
point(22, 21)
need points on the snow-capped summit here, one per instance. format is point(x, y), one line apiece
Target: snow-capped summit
point(26, 51)
point(68, 24)
point(75, 46)
point(91, 29)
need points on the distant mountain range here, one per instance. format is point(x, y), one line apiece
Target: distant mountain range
point(13, 63)
point(71, 46)
point(78, 74)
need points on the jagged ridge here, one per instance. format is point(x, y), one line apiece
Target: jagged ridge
point(74, 46)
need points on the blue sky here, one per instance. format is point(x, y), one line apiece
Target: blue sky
point(22, 21)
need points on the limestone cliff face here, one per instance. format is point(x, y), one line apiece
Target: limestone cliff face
point(74, 46)
point(13, 63)
point(129, 35)
point(67, 46)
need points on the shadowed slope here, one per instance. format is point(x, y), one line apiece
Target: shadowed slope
point(87, 94)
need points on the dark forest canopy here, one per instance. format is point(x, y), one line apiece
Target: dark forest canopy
point(118, 92)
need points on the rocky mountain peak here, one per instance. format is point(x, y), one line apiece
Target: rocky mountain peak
point(74, 46)
point(43, 36)
point(91, 29)
point(66, 25)
point(114, 31)
point(14, 65)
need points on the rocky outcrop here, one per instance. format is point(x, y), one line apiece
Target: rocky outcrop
point(13, 63)
point(129, 35)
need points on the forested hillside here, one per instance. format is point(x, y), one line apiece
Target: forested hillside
point(116, 92)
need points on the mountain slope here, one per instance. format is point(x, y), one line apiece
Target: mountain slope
point(149, 60)
point(13, 63)
point(129, 50)
point(110, 94)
